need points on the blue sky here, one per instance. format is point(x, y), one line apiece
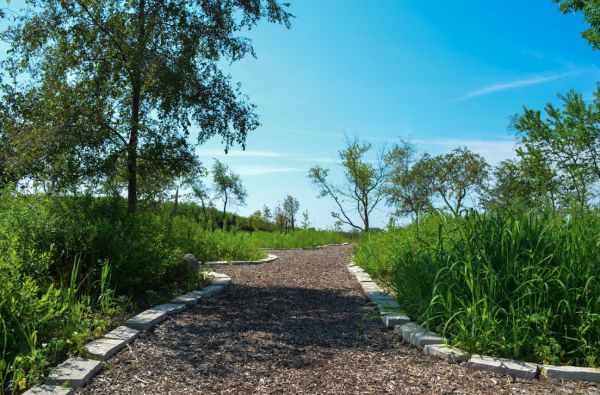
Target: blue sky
point(440, 73)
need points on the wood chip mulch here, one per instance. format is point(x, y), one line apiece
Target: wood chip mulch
point(299, 325)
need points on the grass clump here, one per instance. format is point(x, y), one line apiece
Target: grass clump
point(524, 287)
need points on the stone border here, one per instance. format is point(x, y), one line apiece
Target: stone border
point(437, 346)
point(268, 259)
point(76, 372)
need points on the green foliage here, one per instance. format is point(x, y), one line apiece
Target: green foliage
point(228, 187)
point(562, 148)
point(367, 181)
point(69, 264)
point(299, 238)
point(113, 87)
point(589, 8)
point(290, 209)
point(451, 178)
point(39, 321)
point(522, 286)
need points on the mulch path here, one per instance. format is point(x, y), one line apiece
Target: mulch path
point(299, 325)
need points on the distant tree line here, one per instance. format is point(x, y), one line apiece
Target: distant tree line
point(557, 167)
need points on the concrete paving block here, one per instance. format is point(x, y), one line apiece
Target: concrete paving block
point(189, 299)
point(209, 291)
point(571, 373)
point(103, 348)
point(426, 338)
point(503, 366)
point(391, 320)
point(170, 308)
point(398, 328)
point(362, 276)
point(146, 319)
point(49, 390)
point(74, 372)
point(224, 281)
point(447, 353)
point(387, 306)
point(123, 333)
point(408, 331)
point(377, 295)
point(370, 288)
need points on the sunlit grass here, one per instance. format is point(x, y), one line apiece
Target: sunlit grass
point(522, 287)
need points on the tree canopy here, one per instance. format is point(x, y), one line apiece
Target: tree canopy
point(114, 87)
point(589, 9)
point(366, 181)
point(228, 186)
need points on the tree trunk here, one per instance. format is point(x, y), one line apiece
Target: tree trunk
point(366, 215)
point(224, 212)
point(136, 91)
point(176, 204)
point(132, 149)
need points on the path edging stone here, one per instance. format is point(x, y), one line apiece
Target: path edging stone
point(436, 346)
point(270, 258)
point(76, 372)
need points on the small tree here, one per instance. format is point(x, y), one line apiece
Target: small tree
point(228, 187)
point(366, 183)
point(200, 191)
point(410, 191)
point(567, 141)
point(305, 220)
point(455, 176)
point(279, 218)
point(290, 208)
point(266, 214)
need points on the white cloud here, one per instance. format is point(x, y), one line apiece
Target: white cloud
point(503, 86)
point(239, 153)
point(303, 132)
point(260, 170)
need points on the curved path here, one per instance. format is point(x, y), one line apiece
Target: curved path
point(296, 325)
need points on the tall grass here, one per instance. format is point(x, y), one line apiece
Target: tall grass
point(524, 287)
point(41, 322)
point(68, 265)
point(299, 238)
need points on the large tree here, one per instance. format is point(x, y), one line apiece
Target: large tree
point(103, 87)
point(366, 184)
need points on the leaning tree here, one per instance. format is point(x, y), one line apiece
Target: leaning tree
point(366, 183)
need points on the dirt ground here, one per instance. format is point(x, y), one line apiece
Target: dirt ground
point(298, 325)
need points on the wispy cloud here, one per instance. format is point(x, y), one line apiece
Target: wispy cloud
point(303, 132)
point(218, 153)
point(259, 170)
point(239, 153)
point(515, 84)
